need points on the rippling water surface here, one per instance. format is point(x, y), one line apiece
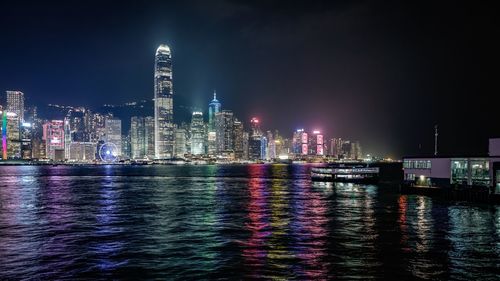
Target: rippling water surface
point(232, 222)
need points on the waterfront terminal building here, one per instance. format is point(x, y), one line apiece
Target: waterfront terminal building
point(458, 171)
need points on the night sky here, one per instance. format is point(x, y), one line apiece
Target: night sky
point(380, 72)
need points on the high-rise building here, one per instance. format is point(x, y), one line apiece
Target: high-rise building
point(336, 147)
point(238, 139)
point(180, 147)
point(197, 133)
point(255, 126)
point(67, 138)
point(255, 142)
point(245, 145)
point(315, 143)
point(149, 135)
point(26, 140)
point(263, 148)
point(346, 149)
point(126, 146)
point(355, 152)
point(53, 134)
point(137, 139)
point(163, 104)
point(15, 104)
point(214, 107)
point(82, 151)
point(11, 137)
point(142, 137)
point(300, 142)
point(271, 146)
point(113, 129)
point(224, 122)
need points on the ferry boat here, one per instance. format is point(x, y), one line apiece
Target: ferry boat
point(346, 172)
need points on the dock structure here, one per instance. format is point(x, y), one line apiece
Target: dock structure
point(456, 177)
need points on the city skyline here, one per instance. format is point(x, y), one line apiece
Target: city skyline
point(389, 96)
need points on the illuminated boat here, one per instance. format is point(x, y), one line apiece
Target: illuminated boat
point(346, 172)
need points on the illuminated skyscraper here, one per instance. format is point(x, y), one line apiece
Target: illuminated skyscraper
point(255, 141)
point(316, 144)
point(113, 129)
point(180, 148)
point(197, 134)
point(142, 137)
point(238, 139)
point(300, 142)
point(15, 103)
point(214, 107)
point(224, 122)
point(164, 107)
point(53, 134)
point(11, 143)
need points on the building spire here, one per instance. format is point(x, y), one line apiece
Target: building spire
point(215, 95)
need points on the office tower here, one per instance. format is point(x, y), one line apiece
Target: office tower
point(113, 129)
point(142, 137)
point(245, 145)
point(180, 147)
point(224, 128)
point(336, 147)
point(356, 152)
point(197, 133)
point(137, 138)
point(238, 139)
point(149, 135)
point(315, 143)
point(280, 148)
point(67, 138)
point(126, 146)
point(214, 107)
point(76, 126)
point(95, 127)
point(15, 104)
point(346, 149)
point(255, 140)
point(82, 151)
point(297, 142)
point(163, 104)
point(263, 148)
point(11, 137)
point(255, 126)
point(53, 133)
point(271, 146)
point(26, 141)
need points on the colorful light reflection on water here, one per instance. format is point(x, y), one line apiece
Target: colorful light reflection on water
point(232, 222)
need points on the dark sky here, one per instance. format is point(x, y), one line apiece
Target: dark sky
point(380, 72)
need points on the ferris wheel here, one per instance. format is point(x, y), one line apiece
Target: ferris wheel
point(108, 152)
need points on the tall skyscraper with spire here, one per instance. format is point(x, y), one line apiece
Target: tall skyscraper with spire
point(214, 107)
point(164, 106)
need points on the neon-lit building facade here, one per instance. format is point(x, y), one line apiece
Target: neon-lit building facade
point(4, 135)
point(53, 134)
point(316, 143)
point(11, 135)
point(163, 101)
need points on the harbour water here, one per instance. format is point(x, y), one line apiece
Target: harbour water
point(233, 222)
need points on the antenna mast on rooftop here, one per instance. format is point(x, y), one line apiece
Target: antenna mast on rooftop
point(435, 140)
